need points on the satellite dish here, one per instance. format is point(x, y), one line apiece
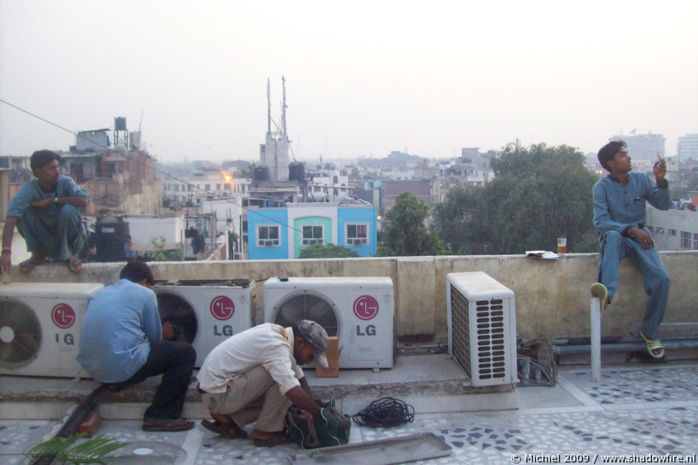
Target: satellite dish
point(106, 192)
point(20, 334)
point(307, 305)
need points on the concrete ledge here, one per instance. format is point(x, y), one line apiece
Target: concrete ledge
point(552, 296)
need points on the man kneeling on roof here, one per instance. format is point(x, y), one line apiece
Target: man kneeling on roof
point(255, 376)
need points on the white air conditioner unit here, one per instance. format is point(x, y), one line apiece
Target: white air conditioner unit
point(40, 328)
point(482, 328)
point(206, 312)
point(359, 311)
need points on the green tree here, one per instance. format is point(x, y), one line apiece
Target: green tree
point(406, 233)
point(163, 254)
point(327, 251)
point(539, 193)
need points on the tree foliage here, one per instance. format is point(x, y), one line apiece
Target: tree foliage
point(539, 193)
point(406, 233)
point(162, 253)
point(327, 251)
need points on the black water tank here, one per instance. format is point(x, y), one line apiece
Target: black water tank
point(111, 232)
point(296, 171)
point(260, 173)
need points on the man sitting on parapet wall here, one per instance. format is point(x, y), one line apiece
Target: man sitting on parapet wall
point(619, 215)
point(46, 215)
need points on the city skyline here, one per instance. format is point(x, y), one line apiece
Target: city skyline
point(361, 81)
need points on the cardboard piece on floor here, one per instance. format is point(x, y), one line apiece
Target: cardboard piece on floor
point(332, 354)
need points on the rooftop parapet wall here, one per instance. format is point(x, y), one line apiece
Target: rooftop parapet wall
point(552, 296)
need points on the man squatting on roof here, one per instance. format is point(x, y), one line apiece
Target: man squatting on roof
point(619, 215)
point(255, 376)
point(46, 215)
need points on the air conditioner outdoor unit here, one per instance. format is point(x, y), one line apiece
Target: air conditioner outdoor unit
point(206, 312)
point(359, 311)
point(482, 328)
point(40, 328)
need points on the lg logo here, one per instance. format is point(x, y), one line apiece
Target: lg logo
point(63, 316)
point(365, 307)
point(222, 308)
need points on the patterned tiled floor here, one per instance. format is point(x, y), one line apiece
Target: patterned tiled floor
point(639, 410)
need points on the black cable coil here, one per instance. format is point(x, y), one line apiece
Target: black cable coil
point(386, 412)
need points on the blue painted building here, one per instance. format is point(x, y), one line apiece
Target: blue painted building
point(282, 232)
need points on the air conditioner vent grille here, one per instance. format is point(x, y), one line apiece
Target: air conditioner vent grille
point(480, 336)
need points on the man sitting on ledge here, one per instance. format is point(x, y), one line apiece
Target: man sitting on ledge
point(254, 376)
point(619, 215)
point(46, 215)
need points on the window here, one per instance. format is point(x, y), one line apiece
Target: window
point(685, 240)
point(267, 236)
point(695, 241)
point(357, 234)
point(672, 232)
point(207, 187)
point(312, 235)
point(659, 230)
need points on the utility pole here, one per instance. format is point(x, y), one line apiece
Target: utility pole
point(283, 107)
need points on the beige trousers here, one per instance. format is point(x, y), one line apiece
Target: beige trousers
point(252, 396)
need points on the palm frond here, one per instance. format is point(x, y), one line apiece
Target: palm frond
point(89, 451)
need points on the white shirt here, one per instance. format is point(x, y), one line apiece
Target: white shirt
point(269, 345)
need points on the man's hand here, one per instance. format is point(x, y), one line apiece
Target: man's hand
point(300, 399)
point(43, 203)
point(7, 232)
point(167, 331)
point(5, 263)
point(642, 237)
point(659, 170)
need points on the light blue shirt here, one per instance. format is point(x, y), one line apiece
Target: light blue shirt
point(121, 322)
point(618, 206)
point(31, 190)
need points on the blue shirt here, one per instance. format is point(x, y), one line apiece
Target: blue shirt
point(618, 206)
point(31, 190)
point(121, 322)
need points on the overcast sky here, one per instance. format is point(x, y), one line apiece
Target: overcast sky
point(362, 77)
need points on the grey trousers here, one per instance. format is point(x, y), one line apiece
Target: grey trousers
point(654, 276)
point(251, 397)
point(59, 240)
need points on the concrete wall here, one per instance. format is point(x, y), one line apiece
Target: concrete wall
point(552, 296)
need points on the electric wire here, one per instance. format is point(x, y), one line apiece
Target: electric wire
point(386, 412)
point(160, 171)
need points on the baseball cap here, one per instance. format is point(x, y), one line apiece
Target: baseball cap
point(317, 337)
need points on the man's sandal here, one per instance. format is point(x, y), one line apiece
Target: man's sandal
point(167, 424)
point(74, 264)
point(269, 439)
point(654, 346)
point(226, 430)
point(600, 291)
point(27, 265)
